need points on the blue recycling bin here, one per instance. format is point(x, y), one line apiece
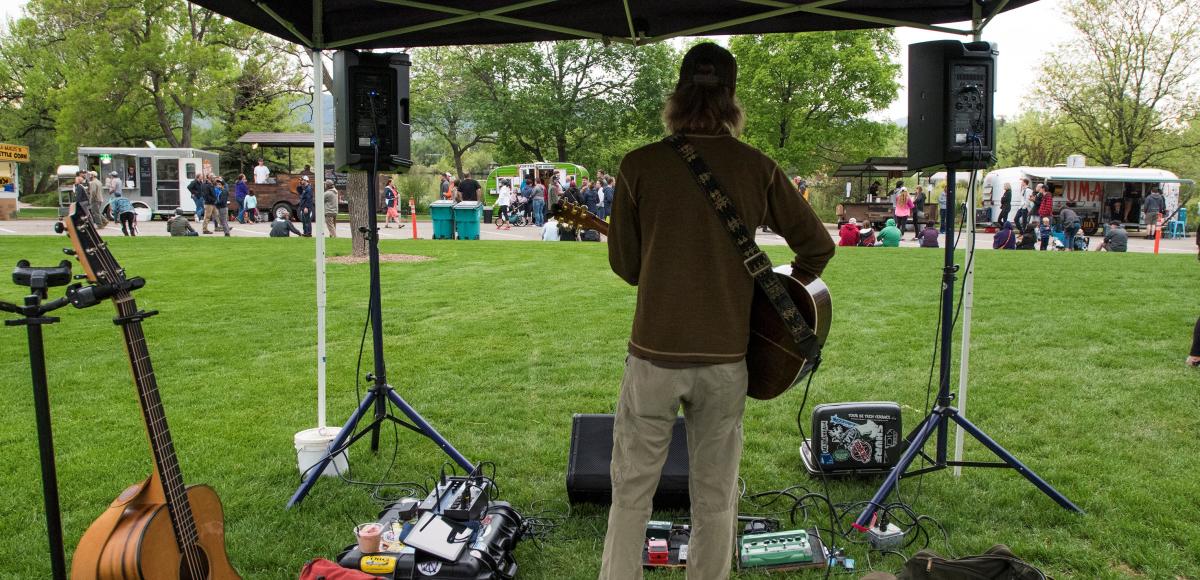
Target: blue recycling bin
point(466, 219)
point(442, 213)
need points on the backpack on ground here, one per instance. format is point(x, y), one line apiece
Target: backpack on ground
point(998, 563)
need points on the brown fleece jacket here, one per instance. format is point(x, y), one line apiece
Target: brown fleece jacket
point(694, 293)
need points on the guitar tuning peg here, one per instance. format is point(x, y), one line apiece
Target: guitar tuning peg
point(69, 251)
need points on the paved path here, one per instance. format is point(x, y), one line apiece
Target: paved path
point(40, 227)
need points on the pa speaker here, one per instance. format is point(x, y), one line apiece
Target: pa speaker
point(951, 89)
point(370, 94)
point(588, 479)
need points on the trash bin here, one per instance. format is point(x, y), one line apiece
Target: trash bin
point(442, 213)
point(487, 214)
point(466, 219)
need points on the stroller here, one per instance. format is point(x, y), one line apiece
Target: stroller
point(518, 213)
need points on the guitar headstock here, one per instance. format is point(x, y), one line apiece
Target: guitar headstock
point(93, 254)
point(576, 216)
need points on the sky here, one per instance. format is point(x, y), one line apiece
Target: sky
point(1024, 37)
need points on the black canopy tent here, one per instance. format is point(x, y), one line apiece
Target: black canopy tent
point(341, 24)
point(367, 24)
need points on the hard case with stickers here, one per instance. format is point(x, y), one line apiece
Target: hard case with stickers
point(853, 439)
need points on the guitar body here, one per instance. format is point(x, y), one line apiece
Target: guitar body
point(133, 539)
point(773, 359)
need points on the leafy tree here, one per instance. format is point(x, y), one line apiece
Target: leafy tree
point(447, 101)
point(1127, 86)
point(1034, 139)
point(806, 95)
point(564, 101)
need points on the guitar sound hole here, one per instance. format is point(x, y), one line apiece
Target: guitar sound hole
point(201, 573)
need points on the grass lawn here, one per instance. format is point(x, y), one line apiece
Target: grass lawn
point(37, 213)
point(1076, 367)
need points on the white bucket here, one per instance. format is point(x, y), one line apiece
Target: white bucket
point(311, 447)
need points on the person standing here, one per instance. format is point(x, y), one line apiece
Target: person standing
point(240, 189)
point(539, 203)
point(210, 200)
point(942, 210)
point(468, 189)
point(221, 206)
point(1045, 202)
point(1044, 234)
point(607, 197)
point(591, 196)
point(903, 209)
point(1154, 206)
point(1026, 205)
point(678, 359)
point(918, 211)
point(261, 172)
point(96, 198)
point(81, 193)
point(1069, 220)
point(123, 211)
point(331, 208)
point(1005, 204)
point(444, 186)
point(308, 208)
point(195, 187)
point(114, 184)
point(251, 206)
point(503, 200)
point(391, 205)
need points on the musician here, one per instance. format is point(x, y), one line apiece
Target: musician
point(691, 324)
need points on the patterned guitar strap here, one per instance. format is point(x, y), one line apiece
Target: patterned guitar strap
point(757, 263)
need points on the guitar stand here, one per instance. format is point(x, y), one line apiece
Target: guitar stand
point(33, 313)
point(380, 392)
point(943, 412)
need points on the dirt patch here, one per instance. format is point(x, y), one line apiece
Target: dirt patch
point(382, 258)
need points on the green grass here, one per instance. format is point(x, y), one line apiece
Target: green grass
point(1076, 367)
point(37, 213)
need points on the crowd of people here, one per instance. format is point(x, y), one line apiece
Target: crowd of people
point(528, 202)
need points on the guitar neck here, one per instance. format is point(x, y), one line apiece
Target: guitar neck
point(577, 216)
point(162, 448)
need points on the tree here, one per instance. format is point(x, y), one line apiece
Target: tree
point(1035, 139)
point(447, 100)
point(1128, 84)
point(564, 101)
point(806, 95)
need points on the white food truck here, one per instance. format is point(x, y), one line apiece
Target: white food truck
point(155, 180)
point(1097, 194)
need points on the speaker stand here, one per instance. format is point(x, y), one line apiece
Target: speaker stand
point(944, 412)
point(380, 392)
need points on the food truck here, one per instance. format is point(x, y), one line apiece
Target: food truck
point(10, 182)
point(513, 175)
point(155, 180)
point(1098, 194)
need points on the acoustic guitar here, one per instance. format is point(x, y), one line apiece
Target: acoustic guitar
point(158, 528)
point(774, 362)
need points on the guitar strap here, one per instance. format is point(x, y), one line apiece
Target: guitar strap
point(757, 263)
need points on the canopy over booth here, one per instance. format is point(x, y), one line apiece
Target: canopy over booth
point(342, 24)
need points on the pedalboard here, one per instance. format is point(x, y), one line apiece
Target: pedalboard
point(779, 551)
point(666, 545)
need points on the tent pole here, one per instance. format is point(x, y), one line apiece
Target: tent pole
point(965, 350)
point(318, 186)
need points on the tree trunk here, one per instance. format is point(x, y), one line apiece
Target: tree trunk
point(458, 159)
point(356, 197)
point(560, 143)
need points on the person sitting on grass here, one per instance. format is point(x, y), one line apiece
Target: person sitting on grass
point(282, 228)
point(178, 226)
point(929, 236)
point(889, 236)
point(1116, 240)
point(1028, 238)
point(866, 236)
point(848, 234)
point(1005, 239)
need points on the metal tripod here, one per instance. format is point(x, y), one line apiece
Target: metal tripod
point(944, 412)
point(380, 391)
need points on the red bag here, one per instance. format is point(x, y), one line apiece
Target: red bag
point(322, 569)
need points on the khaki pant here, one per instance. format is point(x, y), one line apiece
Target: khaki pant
point(331, 225)
point(713, 398)
point(210, 215)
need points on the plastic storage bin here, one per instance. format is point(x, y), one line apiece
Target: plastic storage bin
point(466, 219)
point(442, 213)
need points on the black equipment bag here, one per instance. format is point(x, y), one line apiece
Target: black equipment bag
point(998, 563)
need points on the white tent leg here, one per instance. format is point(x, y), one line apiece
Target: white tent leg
point(968, 301)
point(319, 216)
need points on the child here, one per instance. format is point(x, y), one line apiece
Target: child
point(251, 203)
point(1044, 233)
point(391, 202)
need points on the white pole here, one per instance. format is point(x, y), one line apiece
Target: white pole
point(968, 300)
point(319, 216)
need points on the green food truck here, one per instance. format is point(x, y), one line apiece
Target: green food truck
point(512, 175)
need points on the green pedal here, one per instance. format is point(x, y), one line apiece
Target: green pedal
point(775, 549)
